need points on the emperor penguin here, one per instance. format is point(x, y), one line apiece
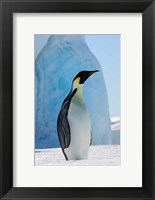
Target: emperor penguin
point(73, 123)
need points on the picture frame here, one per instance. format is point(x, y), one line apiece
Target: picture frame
point(7, 8)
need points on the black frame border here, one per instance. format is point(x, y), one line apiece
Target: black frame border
point(7, 8)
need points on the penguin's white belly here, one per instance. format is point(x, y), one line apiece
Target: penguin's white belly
point(80, 129)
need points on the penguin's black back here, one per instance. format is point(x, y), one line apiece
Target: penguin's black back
point(62, 122)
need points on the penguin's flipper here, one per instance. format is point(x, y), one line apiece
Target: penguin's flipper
point(62, 122)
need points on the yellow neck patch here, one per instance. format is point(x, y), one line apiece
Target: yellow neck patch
point(76, 83)
point(78, 79)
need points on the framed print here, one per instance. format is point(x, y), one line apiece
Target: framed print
point(77, 99)
point(58, 67)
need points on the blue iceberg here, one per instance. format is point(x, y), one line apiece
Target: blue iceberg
point(59, 61)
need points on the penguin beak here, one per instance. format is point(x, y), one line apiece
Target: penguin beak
point(92, 72)
point(88, 74)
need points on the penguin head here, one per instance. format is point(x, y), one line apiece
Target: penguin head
point(82, 76)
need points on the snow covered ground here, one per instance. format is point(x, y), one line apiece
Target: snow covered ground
point(107, 155)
